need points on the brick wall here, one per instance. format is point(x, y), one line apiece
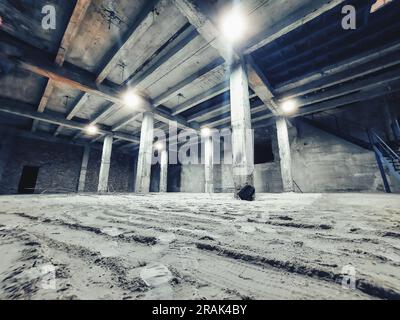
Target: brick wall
point(60, 166)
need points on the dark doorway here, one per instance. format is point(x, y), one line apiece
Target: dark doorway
point(155, 178)
point(174, 178)
point(263, 153)
point(28, 180)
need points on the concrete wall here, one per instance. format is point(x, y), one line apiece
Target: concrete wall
point(266, 178)
point(60, 166)
point(321, 163)
point(122, 172)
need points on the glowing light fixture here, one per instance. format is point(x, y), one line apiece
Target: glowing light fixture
point(205, 132)
point(233, 25)
point(131, 99)
point(159, 146)
point(289, 106)
point(92, 130)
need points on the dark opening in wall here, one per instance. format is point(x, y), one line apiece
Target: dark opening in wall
point(174, 178)
point(263, 153)
point(27, 183)
point(155, 178)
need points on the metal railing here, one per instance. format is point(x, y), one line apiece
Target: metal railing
point(382, 146)
point(297, 186)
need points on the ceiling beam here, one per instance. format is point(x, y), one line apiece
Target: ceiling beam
point(350, 87)
point(294, 21)
point(257, 80)
point(170, 50)
point(212, 35)
point(358, 66)
point(332, 47)
point(202, 97)
point(224, 106)
point(173, 91)
point(143, 22)
point(360, 96)
point(331, 70)
point(256, 107)
point(37, 61)
point(107, 111)
point(260, 85)
point(25, 110)
point(341, 95)
point(205, 28)
point(378, 91)
point(345, 76)
point(42, 136)
point(146, 18)
point(73, 26)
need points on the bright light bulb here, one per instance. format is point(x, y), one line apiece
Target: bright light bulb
point(289, 106)
point(131, 99)
point(205, 132)
point(159, 146)
point(92, 130)
point(233, 26)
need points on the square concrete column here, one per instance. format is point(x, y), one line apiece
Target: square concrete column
point(284, 154)
point(164, 170)
point(242, 134)
point(105, 164)
point(209, 164)
point(388, 121)
point(82, 177)
point(143, 173)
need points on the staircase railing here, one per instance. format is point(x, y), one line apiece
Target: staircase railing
point(385, 156)
point(297, 186)
point(382, 146)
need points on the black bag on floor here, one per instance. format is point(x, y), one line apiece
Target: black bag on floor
point(247, 193)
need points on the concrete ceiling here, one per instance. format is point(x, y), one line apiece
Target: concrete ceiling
point(155, 49)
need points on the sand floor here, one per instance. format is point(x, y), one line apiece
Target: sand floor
point(200, 246)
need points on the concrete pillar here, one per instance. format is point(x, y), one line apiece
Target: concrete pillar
point(209, 164)
point(164, 170)
point(6, 144)
point(396, 129)
point(143, 173)
point(82, 177)
point(388, 121)
point(242, 135)
point(105, 164)
point(284, 154)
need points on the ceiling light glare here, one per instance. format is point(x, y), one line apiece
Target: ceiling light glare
point(159, 146)
point(233, 25)
point(289, 107)
point(205, 132)
point(132, 99)
point(92, 130)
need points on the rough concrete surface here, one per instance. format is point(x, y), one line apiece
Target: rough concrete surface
point(199, 246)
